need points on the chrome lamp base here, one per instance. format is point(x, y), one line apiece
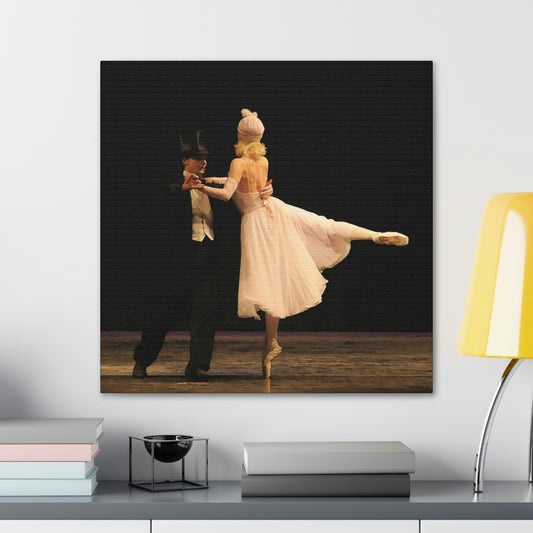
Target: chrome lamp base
point(479, 467)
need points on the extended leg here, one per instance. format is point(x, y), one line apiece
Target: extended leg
point(479, 468)
point(357, 233)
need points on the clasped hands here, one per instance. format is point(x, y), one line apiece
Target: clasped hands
point(192, 181)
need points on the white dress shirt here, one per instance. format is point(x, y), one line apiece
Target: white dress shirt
point(202, 216)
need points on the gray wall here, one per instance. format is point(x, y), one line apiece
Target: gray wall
point(49, 213)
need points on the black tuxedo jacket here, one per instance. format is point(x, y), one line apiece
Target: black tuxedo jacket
point(172, 274)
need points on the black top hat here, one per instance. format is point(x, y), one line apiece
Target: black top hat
point(193, 143)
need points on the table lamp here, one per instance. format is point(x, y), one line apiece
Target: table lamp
point(498, 317)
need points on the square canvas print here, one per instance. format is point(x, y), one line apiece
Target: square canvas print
point(266, 226)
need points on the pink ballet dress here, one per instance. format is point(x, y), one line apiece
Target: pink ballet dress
point(284, 249)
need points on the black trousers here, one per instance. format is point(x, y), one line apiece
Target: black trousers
point(200, 291)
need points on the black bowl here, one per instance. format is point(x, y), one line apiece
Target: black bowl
point(175, 449)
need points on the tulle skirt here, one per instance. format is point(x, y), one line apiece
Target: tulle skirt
point(284, 250)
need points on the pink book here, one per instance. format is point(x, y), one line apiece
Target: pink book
point(49, 452)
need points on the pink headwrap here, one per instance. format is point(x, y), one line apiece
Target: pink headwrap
point(250, 128)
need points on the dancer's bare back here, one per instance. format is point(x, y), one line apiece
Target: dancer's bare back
point(251, 174)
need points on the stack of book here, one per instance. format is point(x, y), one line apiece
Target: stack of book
point(49, 456)
point(327, 469)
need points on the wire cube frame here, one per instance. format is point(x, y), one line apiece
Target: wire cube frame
point(181, 483)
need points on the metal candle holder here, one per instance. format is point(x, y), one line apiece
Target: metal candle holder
point(168, 449)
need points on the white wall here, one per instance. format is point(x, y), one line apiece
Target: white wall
point(49, 212)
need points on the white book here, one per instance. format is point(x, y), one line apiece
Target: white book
point(359, 457)
point(45, 469)
point(50, 430)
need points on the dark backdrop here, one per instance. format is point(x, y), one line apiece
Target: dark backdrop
point(351, 140)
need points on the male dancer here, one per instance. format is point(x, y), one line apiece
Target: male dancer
point(188, 280)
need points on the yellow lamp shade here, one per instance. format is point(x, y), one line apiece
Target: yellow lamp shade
point(498, 317)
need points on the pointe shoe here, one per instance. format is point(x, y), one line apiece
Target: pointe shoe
point(392, 238)
point(269, 353)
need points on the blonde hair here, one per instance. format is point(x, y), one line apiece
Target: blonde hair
point(253, 149)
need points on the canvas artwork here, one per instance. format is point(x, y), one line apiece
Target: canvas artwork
point(266, 226)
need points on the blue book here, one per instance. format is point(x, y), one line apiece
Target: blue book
point(49, 487)
point(45, 469)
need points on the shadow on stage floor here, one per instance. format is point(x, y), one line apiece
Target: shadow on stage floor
point(331, 362)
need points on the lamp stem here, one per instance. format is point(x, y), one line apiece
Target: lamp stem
point(479, 468)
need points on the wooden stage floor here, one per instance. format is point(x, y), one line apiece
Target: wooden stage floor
point(326, 362)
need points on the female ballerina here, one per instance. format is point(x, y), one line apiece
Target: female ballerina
point(284, 248)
